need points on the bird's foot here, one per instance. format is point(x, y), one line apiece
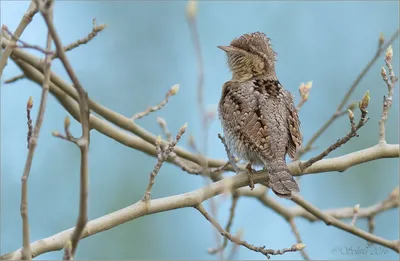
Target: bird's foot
point(250, 171)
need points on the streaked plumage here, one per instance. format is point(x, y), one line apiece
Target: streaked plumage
point(258, 117)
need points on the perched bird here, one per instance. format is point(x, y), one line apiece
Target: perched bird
point(259, 119)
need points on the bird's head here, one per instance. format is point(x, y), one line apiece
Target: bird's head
point(249, 56)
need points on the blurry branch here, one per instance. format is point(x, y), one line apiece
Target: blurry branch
point(296, 233)
point(14, 79)
point(23, 43)
point(26, 19)
point(33, 137)
point(164, 127)
point(263, 250)
point(162, 155)
point(235, 198)
point(363, 104)
point(96, 29)
point(339, 109)
point(46, 9)
point(174, 90)
point(304, 91)
point(387, 100)
point(392, 202)
point(191, 14)
point(332, 221)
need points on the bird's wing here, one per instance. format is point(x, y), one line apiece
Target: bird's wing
point(241, 112)
point(295, 140)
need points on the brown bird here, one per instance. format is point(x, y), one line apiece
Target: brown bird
point(258, 117)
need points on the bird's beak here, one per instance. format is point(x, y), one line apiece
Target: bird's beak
point(226, 48)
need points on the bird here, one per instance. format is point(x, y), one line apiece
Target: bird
point(258, 117)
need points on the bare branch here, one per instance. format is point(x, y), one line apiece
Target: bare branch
point(353, 132)
point(346, 97)
point(298, 238)
point(95, 30)
point(14, 79)
point(162, 156)
point(387, 100)
point(163, 124)
point(33, 137)
point(190, 199)
point(174, 90)
point(46, 9)
point(263, 250)
point(24, 44)
point(26, 19)
point(331, 221)
point(235, 198)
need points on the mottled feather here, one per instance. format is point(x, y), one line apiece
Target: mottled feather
point(258, 116)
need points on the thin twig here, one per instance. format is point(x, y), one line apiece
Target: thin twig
point(174, 90)
point(29, 106)
point(346, 97)
point(25, 44)
point(263, 250)
point(298, 238)
point(162, 156)
point(331, 221)
point(14, 79)
point(387, 100)
point(32, 143)
point(235, 198)
point(353, 132)
point(95, 30)
point(26, 19)
point(164, 128)
point(46, 9)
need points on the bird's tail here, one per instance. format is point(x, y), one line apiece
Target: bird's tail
point(280, 179)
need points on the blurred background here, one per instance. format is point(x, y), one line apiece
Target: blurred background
point(146, 49)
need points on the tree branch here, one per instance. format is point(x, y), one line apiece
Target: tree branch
point(46, 9)
point(26, 19)
point(346, 97)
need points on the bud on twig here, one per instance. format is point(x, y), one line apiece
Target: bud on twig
point(383, 73)
point(66, 122)
point(389, 54)
point(356, 208)
point(29, 104)
point(191, 9)
point(352, 106)
point(395, 193)
point(304, 90)
point(363, 104)
point(381, 39)
point(158, 140)
point(174, 89)
point(351, 114)
point(299, 246)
